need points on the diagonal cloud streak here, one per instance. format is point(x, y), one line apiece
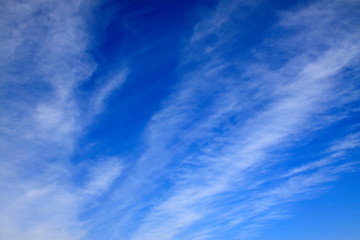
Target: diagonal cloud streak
point(229, 150)
point(297, 99)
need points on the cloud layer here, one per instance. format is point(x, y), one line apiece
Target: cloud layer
point(44, 61)
point(230, 149)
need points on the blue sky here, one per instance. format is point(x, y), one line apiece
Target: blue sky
point(179, 120)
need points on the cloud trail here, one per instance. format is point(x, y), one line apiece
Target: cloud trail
point(218, 156)
point(44, 61)
point(295, 100)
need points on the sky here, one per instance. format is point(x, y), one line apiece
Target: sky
point(179, 120)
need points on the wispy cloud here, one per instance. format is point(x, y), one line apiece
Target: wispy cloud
point(225, 152)
point(217, 156)
point(103, 175)
point(44, 61)
point(106, 91)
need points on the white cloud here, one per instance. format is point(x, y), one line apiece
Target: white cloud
point(103, 175)
point(107, 90)
point(44, 59)
point(294, 101)
point(249, 115)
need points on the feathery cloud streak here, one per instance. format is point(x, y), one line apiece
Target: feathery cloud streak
point(44, 61)
point(227, 152)
point(217, 186)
